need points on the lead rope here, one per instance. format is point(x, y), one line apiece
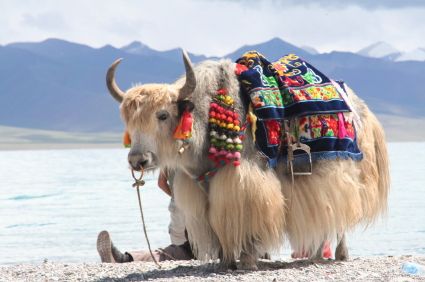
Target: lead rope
point(140, 182)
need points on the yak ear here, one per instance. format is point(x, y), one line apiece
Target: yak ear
point(190, 84)
point(185, 105)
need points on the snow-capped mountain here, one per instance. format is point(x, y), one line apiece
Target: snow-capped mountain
point(380, 50)
point(383, 50)
point(137, 48)
point(414, 55)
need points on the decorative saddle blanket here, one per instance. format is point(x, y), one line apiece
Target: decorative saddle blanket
point(292, 89)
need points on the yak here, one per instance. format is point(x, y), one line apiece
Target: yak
point(250, 209)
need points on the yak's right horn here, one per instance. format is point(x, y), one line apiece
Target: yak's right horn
point(190, 83)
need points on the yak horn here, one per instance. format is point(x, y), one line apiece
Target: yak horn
point(190, 83)
point(113, 88)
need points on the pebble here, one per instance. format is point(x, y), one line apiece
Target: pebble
point(364, 269)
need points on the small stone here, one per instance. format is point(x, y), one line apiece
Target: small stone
point(240, 271)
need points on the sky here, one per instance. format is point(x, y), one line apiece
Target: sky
point(217, 27)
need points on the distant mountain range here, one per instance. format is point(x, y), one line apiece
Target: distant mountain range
point(60, 85)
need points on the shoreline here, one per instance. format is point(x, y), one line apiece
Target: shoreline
point(58, 146)
point(383, 268)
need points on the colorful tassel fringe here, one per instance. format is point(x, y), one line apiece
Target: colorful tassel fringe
point(225, 130)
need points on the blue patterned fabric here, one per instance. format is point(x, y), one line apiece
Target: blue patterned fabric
point(292, 88)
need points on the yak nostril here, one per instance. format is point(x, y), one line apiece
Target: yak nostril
point(142, 163)
point(139, 164)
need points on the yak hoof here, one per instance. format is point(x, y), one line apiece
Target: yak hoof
point(321, 260)
point(232, 265)
point(248, 262)
point(248, 266)
point(341, 253)
point(224, 266)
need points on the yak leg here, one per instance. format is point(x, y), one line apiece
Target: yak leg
point(266, 256)
point(341, 252)
point(249, 258)
point(318, 256)
point(226, 264)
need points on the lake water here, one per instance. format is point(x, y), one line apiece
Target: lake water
point(54, 203)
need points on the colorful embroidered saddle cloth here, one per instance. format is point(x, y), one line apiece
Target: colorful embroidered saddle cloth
point(292, 89)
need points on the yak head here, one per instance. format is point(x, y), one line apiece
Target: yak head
point(151, 112)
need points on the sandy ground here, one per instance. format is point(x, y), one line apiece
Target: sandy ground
point(356, 269)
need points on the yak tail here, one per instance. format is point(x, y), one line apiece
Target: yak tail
point(375, 168)
point(375, 172)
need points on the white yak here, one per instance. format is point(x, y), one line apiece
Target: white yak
point(250, 209)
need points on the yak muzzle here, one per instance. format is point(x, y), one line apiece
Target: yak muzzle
point(146, 160)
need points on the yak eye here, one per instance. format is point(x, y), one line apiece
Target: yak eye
point(162, 115)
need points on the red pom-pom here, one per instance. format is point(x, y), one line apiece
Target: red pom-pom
point(240, 68)
point(236, 163)
point(222, 91)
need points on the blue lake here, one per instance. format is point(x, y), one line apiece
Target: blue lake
point(53, 203)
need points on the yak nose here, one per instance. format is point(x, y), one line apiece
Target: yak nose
point(137, 161)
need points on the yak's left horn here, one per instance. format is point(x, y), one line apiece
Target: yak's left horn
point(190, 83)
point(113, 88)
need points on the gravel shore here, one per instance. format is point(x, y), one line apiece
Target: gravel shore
point(356, 269)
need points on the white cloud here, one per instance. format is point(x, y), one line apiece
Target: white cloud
point(367, 4)
point(210, 27)
point(48, 21)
